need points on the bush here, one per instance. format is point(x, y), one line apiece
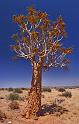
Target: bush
point(13, 96)
point(2, 115)
point(46, 89)
point(67, 94)
point(2, 88)
point(17, 90)
point(24, 88)
point(14, 105)
point(61, 89)
point(10, 89)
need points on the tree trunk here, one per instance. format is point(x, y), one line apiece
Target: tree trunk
point(34, 101)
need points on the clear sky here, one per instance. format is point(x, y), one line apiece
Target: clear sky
point(18, 73)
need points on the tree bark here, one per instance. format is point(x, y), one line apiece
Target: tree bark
point(34, 101)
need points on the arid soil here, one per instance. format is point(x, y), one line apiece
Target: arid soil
point(57, 109)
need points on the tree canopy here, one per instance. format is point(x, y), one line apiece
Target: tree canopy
point(39, 38)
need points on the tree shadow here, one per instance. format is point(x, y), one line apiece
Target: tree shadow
point(51, 109)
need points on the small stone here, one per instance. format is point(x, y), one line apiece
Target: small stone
point(9, 122)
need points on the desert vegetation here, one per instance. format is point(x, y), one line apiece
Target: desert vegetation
point(17, 90)
point(10, 89)
point(62, 109)
point(2, 116)
point(46, 89)
point(61, 89)
point(13, 96)
point(14, 105)
point(67, 94)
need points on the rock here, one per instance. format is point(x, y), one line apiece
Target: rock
point(9, 122)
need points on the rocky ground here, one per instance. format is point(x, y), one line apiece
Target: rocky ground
point(57, 109)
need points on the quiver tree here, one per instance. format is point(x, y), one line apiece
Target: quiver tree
point(39, 40)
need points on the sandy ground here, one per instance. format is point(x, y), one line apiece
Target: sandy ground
point(70, 105)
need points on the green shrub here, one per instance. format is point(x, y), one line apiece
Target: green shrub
point(46, 89)
point(61, 89)
point(18, 90)
point(13, 96)
point(14, 105)
point(67, 94)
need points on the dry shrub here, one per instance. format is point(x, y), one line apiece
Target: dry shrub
point(2, 88)
point(14, 105)
point(61, 89)
point(47, 89)
point(2, 115)
point(67, 94)
point(24, 88)
point(10, 89)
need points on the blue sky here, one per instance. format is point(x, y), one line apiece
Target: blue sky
point(18, 73)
